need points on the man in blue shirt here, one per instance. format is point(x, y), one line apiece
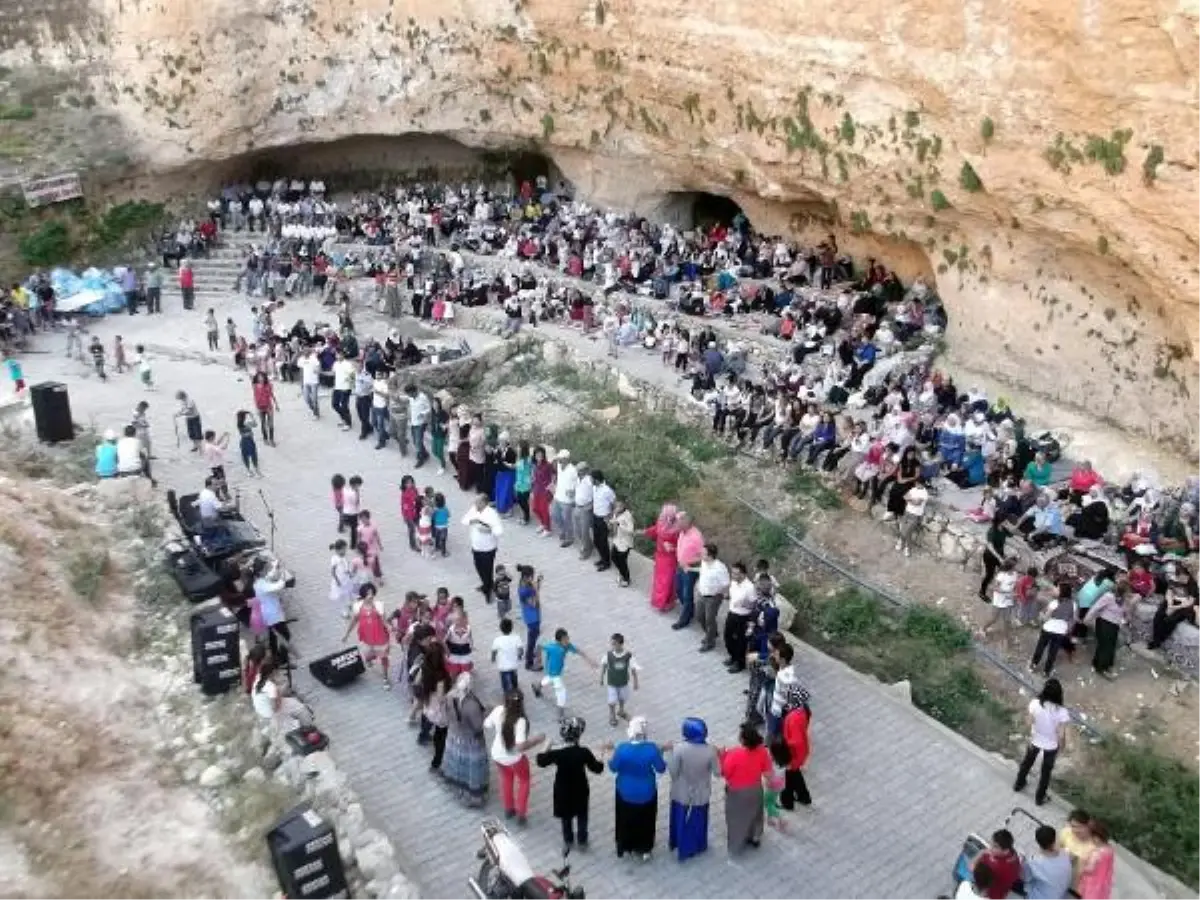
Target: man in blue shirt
point(555, 655)
point(1042, 524)
point(1047, 873)
point(106, 456)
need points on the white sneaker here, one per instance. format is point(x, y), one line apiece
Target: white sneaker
point(441, 471)
point(899, 545)
point(907, 552)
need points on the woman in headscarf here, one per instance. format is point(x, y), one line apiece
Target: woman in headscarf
point(952, 441)
point(571, 791)
point(744, 768)
point(637, 763)
point(461, 458)
point(664, 533)
point(693, 765)
point(465, 764)
point(1092, 520)
point(504, 484)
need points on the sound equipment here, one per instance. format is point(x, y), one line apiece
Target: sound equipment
point(304, 852)
point(338, 669)
point(216, 650)
point(304, 741)
point(195, 578)
point(52, 412)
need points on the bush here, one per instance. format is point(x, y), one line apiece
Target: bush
point(771, 541)
point(50, 245)
point(938, 200)
point(547, 126)
point(936, 628)
point(86, 571)
point(812, 487)
point(987, 129)
point(969, 180)
point(1154, 159)
point(121, 220)
point(20, 113)
point(851, 617)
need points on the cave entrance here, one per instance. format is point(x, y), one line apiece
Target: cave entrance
point(691, 209)
point(520, 166)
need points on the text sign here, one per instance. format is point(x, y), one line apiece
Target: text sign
point(54, 189)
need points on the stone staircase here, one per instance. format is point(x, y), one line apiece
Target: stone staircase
point(216, 273)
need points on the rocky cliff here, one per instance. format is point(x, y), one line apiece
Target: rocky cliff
point(1037, 160)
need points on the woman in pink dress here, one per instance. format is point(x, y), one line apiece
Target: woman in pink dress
point(663, 533)
point(1096, 872)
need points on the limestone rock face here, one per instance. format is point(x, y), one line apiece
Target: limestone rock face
point(1038, 161)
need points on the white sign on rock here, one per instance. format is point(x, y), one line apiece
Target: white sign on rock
point(54, 189)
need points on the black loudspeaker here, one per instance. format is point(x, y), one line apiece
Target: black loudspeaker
point(304, 851)
point(52, 412)
point(338, 669)
point(195, 578)
point(216, 650)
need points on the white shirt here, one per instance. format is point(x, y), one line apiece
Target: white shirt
point(419, 408)
point(129, 455)
point(379, 399)
point(507, 650)
point(1002, 593)
point(966, 891)
point(351, 501)
point(1046, 719)
point(915, 500)
point(483, 539)
point(714, 578)
point(784, 678)
point(565, 483)
point(208, 504)
point(741, 597)
point(310, 370)
point(501, 754)
point(603, 498)
point(343, 375)
point(584, 491)
point(264, 699)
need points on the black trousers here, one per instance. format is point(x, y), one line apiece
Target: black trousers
point(1043, 785)
point(795, 790)
point(620, 559)
point(362, 406)
point(600, 539)
point(575, 828)
point(990, 564)
point(522, 501)
point(735, 637)
point(485, 567)
point(1050, 644)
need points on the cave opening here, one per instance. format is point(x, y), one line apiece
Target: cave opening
point(691, 209)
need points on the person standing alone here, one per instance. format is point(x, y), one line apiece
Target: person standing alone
point(484, 527)
point(187, 284)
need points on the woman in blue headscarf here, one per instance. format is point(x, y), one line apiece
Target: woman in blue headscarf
point(693, 765)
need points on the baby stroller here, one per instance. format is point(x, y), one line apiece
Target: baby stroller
point(1021, 823)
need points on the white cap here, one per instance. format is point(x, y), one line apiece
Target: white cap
point(110, 435)
point(563, 454)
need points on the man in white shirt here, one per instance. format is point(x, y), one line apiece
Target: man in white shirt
point(484, 527)
point(310, 381)
point(785, 677)
point(380, 414)
point(131, 456)
point(711, 588)
point(581, 515)
point(209, 506)
point(344, 372)
point(562, 507)
point(742, 607)
point(603, 500)
point(420, 408)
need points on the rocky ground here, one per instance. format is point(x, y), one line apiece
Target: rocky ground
point(118, 778)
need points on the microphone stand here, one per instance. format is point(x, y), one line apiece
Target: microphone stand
point(270, 518)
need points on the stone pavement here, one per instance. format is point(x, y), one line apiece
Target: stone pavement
point(895, 793)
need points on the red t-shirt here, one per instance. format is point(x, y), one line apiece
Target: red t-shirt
point(743, 768)
point(187, 278)
point(263, 395)
point(795, 735)
point(1006, 870)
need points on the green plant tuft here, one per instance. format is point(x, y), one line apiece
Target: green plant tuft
point(987, 129)
point(50, 245)
point(968, 180)
point(1102, 245)
point(19, 113)
point(938, 201)
point(1154, 159)
point(547, 126)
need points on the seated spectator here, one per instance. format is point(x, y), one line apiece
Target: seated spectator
point(106, 456)
point(1177, 606)
point(1038, 470)
point(952, 442)
point(1083, 479)
point(1178, 533)
point(1140, 579)
point(1042, 524)
point(971, 472)
point(1003, 863)
point(1090, 522)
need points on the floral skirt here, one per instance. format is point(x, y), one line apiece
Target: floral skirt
point(465, 766)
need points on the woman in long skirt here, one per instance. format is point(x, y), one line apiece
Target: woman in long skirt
point(476, 456)
point(637, 763)
point(462, 454)
point(745, 768)
point(465, 764)
point(664, 533)
point(1107, 615)
point(506, 475)
point(693, 765)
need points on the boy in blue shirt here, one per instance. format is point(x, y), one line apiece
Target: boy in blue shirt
point(555, 654)
point(15, 373)
point(440, 519)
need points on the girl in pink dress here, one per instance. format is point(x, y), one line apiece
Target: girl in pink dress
point(1096, 872)
point(439, 311)
point(664, 533)
point(370, 544)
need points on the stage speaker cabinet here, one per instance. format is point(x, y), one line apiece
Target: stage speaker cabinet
point(338, 669)
point(304, 852)
point(195, 577)
point(216, 650)
point(52, 412)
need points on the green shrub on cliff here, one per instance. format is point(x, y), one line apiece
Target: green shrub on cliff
point(938, 200)
point(969, 180)
point(50, 245)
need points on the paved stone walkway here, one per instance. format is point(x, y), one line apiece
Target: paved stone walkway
point(895, 793)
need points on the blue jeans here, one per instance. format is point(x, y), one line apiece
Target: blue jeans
point(310, 398)
point(685, 590)
point(418, 439)
point(508, 682)
point(531, 641)
point(379, 422)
